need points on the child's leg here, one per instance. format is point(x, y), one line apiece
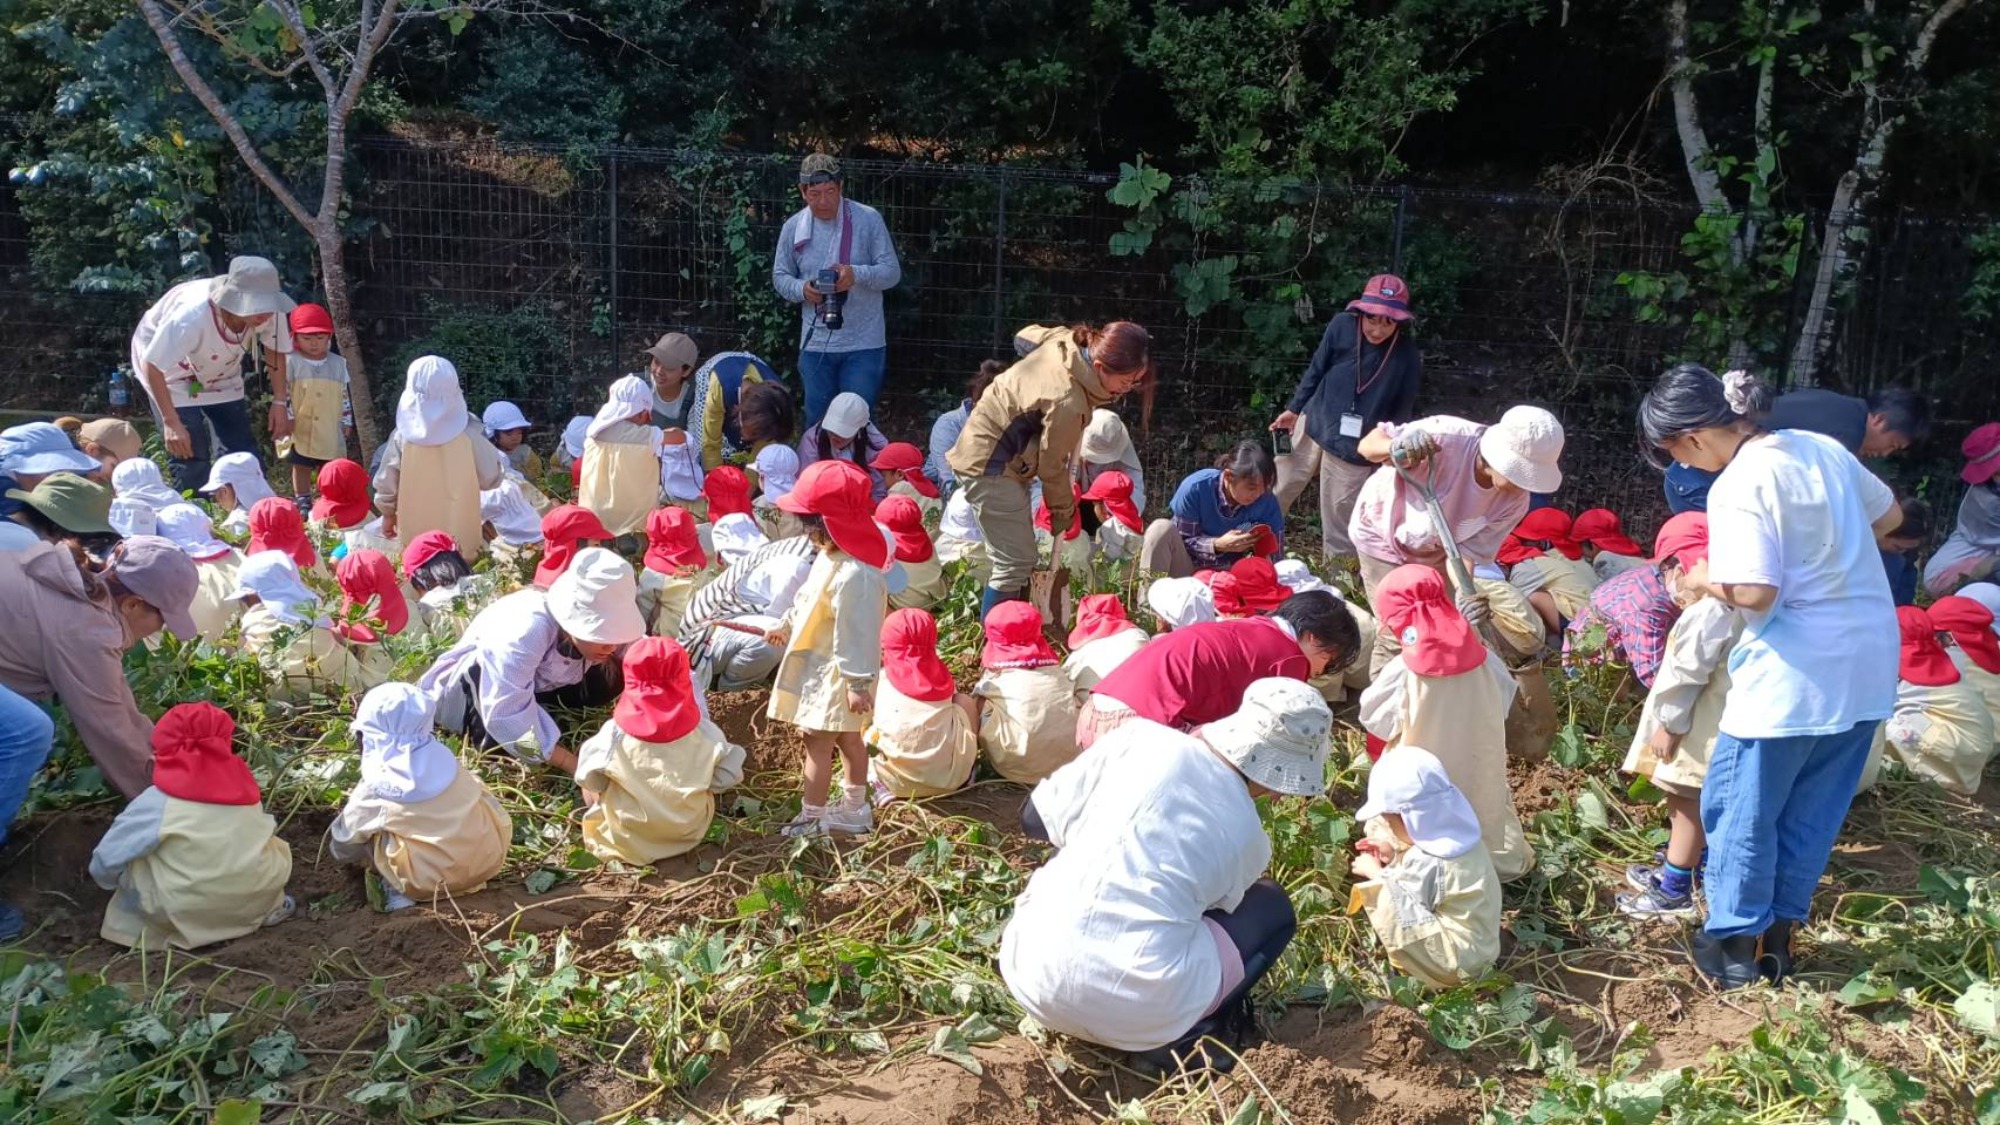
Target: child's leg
point(819, 766)
point(303, 480)
point(1685, 837)
point(970, 705)
point(853, 758)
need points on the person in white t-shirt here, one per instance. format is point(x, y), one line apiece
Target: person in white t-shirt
point(187, 354)
point(1147, 929)
point(1790, 547)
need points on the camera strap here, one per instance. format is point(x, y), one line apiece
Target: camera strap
point(846, 232)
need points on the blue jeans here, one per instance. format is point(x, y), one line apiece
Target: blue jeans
point(1772, 808)
point(229, 422)
point(27, 734)
point(827, 374)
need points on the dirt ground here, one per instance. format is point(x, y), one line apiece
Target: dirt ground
point(1374, 1067)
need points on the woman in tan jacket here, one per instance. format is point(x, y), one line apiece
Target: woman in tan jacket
point(1028, 426)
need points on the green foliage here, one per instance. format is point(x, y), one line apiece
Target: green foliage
point(1981, 300)
point(538, 87)
point(519, 354)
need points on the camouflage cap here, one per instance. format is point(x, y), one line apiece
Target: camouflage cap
point(819, 164)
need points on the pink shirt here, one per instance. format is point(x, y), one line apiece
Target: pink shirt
point(1392, 524)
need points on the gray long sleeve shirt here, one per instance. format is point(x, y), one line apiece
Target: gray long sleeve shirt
point(806, 245)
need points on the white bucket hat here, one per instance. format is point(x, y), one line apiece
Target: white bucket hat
point(431, 410)
point(846, 415)
point(1295, 576)
point(680, 469)
point(1410, 782)
point(629, 397)
point(959, 521)
point(1524, 447)
point(1105, 439)
point(190, 529)
point(138, 478)
point(1279, 738)
point(1181, 602)
point(401, 760)
point(502, 415)
point(131, 517)
point(735, 536)
point(250, 288)
point(597, 599)
point(777, 472)
point(242, 472)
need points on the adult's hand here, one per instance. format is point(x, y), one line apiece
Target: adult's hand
point(1285, 422)
point(177, 440)
point(846, 281)
point(280, 421)
point(813, 295)
point(1412, 447)
point(1236, 542)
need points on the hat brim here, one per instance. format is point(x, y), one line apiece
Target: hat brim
point(1518, 470)
point(1979, 472)
point(1369, 810)
point(66, 521)
point(179, 622)
point(859, 536)
point(54, 461)
point(1379, 307)
point(621, 625)
point(238, 302)
point(670, 360)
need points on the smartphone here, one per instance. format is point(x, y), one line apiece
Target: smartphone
point(1281, 442)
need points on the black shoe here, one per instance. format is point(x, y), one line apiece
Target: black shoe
point(1729, 962)
point(13, 923)
point(1210, 1045)
point(1774, 964)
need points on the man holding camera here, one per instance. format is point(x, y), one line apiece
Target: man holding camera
point(834, 260)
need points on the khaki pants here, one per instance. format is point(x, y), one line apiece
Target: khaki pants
point(1163, 551)
point(1339, 485)
point(1000, 507)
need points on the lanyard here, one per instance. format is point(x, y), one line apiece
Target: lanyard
point(1360, 387)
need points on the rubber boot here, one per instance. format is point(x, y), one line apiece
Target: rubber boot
point(1201, 1049)
point(1729, 962)
point(1775, 962)
point(991, 597)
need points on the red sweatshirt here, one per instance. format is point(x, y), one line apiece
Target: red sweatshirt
point(1198, 674)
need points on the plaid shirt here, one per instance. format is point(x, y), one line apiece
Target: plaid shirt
point(1635, 612)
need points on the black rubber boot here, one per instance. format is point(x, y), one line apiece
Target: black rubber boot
point(1207, 1045)
point(1774, 964)
point(1729, 962)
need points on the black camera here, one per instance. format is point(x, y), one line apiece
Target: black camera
point(830, 307)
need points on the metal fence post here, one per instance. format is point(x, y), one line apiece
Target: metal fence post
point(1402, 212)
point(611, 213)
point(999, 266)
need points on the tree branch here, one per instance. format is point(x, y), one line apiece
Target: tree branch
point(308, 50)
point(170, 42)
point(1687, 114)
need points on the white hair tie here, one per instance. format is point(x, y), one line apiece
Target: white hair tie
point(1736, 386)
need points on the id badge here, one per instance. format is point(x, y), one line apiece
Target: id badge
point(1350, 425)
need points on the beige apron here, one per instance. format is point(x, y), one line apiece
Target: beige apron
point(438, 490)
point(316, 410)
point(620, 483)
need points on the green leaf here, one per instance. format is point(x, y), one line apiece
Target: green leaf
point(277, 1054)
point(873, 1041)
point(1979, 1008)
point(949, 1044)
point(1568, 750)
point(543, 879)
point(1865, 989)
point(1249, 1113)
point(238, 1111)
point(381, 1093)
point(770, 1107)
point(1591, 811)
point(1855, 1107)
point(978, 1029)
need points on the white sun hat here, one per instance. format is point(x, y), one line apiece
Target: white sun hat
point(1410, 782)
point(1524, 447)
point(597, 599)
point(1279, 738)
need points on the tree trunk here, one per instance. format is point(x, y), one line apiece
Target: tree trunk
point(340, 303)
point(1842, 250)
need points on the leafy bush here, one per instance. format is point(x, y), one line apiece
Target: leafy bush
point(519, 354)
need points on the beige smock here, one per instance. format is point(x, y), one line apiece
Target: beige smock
point(620, 481)
point(655, 799)
point(1687, 696)
point(317, 406)
point(212, 609)
point(186, 874)
point(1092, 661)
point(1439, 919)
point(926, 585)
point(312, 659)
point(436, 488)
point(451, 844)
point(1987, 684)
point(930, 506)
point(664, 598)
point(922, 748)
point(1568, 581)
point(835, 626)
point(1029, 728)
point(1519, 626)
point(1942, 734)
point(1463, 720)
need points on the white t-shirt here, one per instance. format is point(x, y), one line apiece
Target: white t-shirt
point(1793, 510)
point(182, 336)
point(1107, 941)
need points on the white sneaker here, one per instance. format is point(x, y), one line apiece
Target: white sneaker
point(807, 823)
point(393, 901)
point(853, 816)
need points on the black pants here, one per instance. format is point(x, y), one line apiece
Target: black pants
point(601, 685)
point(1261, 926)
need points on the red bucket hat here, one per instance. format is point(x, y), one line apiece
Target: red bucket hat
point(910, 656)
point(906, 462)
point(905, 521)
point(1014, 638)
point(1551, 526)
point(193, 760)
point(1249, 587)
point(566, 526)
point(1924, 661)
point(365, 574)
point(658, 702)
point(1971, 627)
point(838, 492)
point(728, 492)
point(1097, 617)
point(1982, 454)
point(1603, 527)
point(309, 320)
point(343, 493)
point(672, 544)
point(1114, 490)
point(1436, 639)
point(276, 525)
point(424, 548)
point(1685, 537)
point(1384, 295)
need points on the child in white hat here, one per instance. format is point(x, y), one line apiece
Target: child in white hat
point(235, 484)
point(621, 475)
point(1428, 884)
point(959, 538)
point(437, 461)
point(284, 627)
point(777, 474)
point(215, 565)
point(507, 428)
point(424, 825)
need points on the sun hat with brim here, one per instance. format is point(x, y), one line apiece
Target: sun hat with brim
point(1413, 603)
point(905, 522)
point(1410, 782)
point(1922, 660)
point(1014, 638)
point(1298, 578)
point(896, 457)
point(838, 492)
point(238, 470)
point(658, 703)
point(194, 760)
point(1105, 438)
point(1384, 295)
point(777, 468)
point(1982, 454)
point(1279, 738)
point(311, 320)
point(162, 575)
point(273, 579)
point(675, 349)
point(597, 599)
point(343, 493)
point(37, 448)
point(501, 416)
point(910, 659)
point(846, 416)
point(115, 434)
point(1181, 602)
point(672, 543)
point(1249, 587)
point(250, 288)
point(1683, 537)
point(424, 548)
point(1602, 527)
point(70, 502)
point(131, 517)
point(1524, 447)
point(1552, 526)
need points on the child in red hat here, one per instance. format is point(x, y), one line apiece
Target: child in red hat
point(194, 859)
point(1679, 725)
point(1543, 562)
point(914, 551)
point(1120, 528)
point(1965, 628)
point(566, 530)
point(902, 466)
point(1446, 693)
point(651, 772)
point(673, 568)
point(1601, 535)
point(372, 606)
point(448, 592)
point(924, 731)
point(1941, 730)
point(1103, 639)
point(732, 530)
point(317, 381)
point(1029, 728)
point(831, 636)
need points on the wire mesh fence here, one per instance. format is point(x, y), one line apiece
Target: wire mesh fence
point(542, 273)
